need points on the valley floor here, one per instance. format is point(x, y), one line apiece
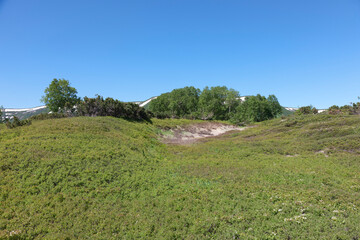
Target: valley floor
point(107, 178)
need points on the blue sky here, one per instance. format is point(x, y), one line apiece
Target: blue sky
point(303, 51)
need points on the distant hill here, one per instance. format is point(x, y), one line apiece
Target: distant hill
point(23, 113)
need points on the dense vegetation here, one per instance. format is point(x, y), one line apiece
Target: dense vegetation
point(306, 110)
point(16, 122)
point(108, 178)
point(60, 96)
point(111, 107)
point(353, 109)
point(215, 103)
point(256, 109)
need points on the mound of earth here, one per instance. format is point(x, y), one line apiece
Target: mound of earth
point(192, 133)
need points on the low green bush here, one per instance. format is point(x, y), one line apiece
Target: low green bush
point(16, 122)
point(44, 116)
point(306, 110)
point(99, 106)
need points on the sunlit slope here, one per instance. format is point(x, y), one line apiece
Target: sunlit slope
point(294, 178)
point(107, 178)
point(74, 177)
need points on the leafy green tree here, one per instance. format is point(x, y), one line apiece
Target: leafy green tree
point(183, 101)
point(60, 96)
point(232, 101)
point(212, 103)
point(257, 108)
point(160, 106)
point(274, 105)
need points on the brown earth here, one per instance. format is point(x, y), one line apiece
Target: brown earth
point(193, 133)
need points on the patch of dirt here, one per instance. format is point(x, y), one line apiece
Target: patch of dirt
point(323, 152)
point(193, 133)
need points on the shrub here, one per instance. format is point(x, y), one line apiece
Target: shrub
point(111, 107)
point(306, 110)
point(44, 116)
point(334, 109)
point(353, 109)
point(16, 122)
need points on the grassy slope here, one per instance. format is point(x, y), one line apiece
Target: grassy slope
point(104, 178)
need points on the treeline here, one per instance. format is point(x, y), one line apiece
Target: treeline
point(62, 100)
point(215, 103)
point(98, 106)
point(111, 107)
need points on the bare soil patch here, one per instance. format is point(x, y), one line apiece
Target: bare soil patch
point(193, 133)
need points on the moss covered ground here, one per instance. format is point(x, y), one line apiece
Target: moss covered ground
point(107, 178)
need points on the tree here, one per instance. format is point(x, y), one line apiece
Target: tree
point(256, 109)
point(212, 103)
point(60, 96)
point(181, 102)
point(160, 106)
point(184, 101)
point(275, 106)
point(232, 101)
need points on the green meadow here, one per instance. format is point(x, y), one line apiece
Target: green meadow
point(296, 177)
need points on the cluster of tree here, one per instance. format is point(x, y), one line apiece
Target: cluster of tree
point(181, 102)
point(306, 110)
point(353, 109)
point(16, 122)
point(218, 103)
point(111, 107)
point(256, 109)
point(62, 100)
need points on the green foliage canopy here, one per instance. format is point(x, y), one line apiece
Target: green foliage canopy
point(181, 102)
point(306, 110)
point(218, 102)
point(215, 103)
point(60, 96)
point(111, 107)
point(256, 109)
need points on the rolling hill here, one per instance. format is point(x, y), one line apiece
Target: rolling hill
point(107, 178)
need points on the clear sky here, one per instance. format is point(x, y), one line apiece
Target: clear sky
point(303, 51)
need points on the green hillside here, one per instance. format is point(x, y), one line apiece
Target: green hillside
point(107, 178)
